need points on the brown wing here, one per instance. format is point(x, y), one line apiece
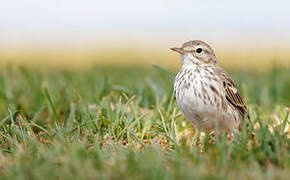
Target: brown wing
point(232, 93)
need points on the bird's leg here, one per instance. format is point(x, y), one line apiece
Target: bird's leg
point(234, 134)
point(212, 136)
point(196, 135)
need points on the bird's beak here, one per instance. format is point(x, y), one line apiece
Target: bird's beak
point(179, 50)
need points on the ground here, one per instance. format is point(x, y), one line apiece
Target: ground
point(123, 123)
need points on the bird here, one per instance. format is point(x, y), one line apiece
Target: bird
point(205, 93)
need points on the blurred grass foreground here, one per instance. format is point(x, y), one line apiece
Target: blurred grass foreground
point(123, 123)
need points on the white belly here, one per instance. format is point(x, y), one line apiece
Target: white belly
point(200, 104)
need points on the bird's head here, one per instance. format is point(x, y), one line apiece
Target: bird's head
point(196, 52)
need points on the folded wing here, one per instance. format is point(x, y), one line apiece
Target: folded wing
point(232, 93)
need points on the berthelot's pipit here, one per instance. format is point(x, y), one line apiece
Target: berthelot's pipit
point(205, 92)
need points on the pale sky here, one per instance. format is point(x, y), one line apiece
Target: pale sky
point(84, 22)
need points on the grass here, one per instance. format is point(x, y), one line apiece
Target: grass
point(123, 123)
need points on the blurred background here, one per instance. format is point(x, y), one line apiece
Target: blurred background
point(75, 34)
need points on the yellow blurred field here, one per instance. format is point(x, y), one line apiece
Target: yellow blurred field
point(258, 59)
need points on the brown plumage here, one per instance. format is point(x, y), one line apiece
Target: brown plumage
point(233, 94)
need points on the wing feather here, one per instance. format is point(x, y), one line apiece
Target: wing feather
point(232, 93)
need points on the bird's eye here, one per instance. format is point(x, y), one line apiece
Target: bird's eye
point(198, 50)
